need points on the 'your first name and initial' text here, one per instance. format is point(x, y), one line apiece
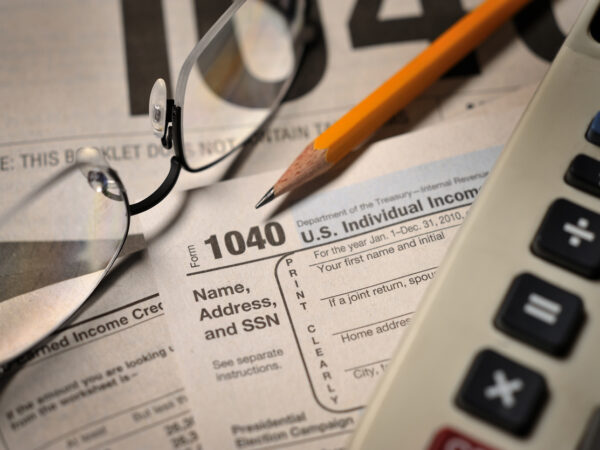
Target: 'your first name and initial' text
point(382, 244)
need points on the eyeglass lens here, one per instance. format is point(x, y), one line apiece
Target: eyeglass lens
point(238, 80)
point(54, 251)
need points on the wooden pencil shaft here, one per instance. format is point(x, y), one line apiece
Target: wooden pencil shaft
point(393, 95)
point(408, 83)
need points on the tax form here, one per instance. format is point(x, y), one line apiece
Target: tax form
point(65, 83)
point(285, 318)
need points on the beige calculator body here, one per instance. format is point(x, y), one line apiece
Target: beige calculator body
point(505, 349)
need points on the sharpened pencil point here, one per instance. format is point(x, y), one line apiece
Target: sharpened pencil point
point(270, 195)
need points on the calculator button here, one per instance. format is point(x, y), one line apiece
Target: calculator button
point(593, 131)
point(584, 174)
point(591, 436)
point(570, 237)
point(541, 314)
point(502, 392)
point(449, 439)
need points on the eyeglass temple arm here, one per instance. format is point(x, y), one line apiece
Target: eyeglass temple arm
point(161, 192)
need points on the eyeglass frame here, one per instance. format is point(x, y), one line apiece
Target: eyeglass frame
point(172, 138)
point(173, 130)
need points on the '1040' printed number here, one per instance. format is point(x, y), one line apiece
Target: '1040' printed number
point(236, 243)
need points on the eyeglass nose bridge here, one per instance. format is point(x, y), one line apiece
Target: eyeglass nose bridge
point(161, 192)
point(170, 121)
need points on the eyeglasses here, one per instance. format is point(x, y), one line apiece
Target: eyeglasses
point(59, 241)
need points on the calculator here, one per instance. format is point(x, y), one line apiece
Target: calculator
point(504, 352)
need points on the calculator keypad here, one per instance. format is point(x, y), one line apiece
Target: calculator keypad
point(501, 391)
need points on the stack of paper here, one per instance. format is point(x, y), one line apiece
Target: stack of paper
point(239, 328)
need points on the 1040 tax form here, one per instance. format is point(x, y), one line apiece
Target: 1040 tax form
point(284, 318)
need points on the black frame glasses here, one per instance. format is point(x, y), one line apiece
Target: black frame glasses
point(60, 240)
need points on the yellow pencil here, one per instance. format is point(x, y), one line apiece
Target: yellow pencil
point(365, 118)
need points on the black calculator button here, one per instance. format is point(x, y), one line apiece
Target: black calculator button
point(570, 237)
point(593, 131)
point(502, 392)
point(541, 314)
point(584, 174)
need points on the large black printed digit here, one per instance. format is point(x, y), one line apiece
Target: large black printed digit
point(314, 59)
point(366, 29)
point(207, 12)
point(223, 56)
point(251, 90)
point(537, 27)
point(145, 50)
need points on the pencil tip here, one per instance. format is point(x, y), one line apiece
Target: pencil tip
point(270, 195)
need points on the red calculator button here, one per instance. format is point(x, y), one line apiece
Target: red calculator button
point(449, 439)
